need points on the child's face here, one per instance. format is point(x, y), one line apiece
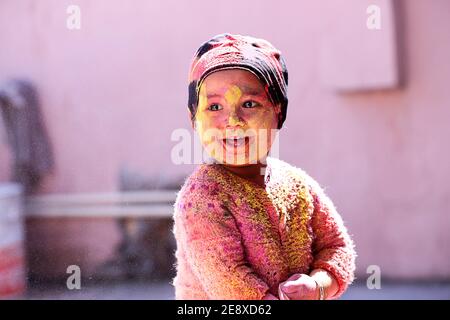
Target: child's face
point(234, 104)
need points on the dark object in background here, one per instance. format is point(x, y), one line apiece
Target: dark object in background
point(29, 143)
point(147, 245)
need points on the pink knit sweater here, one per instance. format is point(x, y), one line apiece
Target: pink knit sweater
point(237, 240)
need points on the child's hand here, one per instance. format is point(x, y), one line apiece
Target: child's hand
point(298, 287)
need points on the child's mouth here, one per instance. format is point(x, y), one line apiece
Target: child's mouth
point(236, 142)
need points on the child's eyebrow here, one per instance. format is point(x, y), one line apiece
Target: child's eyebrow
point(213, 95)
point(252, 91)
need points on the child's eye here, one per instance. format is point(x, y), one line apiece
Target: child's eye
point(215, 107)
point(250, 104)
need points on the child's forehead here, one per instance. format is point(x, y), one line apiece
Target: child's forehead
point(221, 82)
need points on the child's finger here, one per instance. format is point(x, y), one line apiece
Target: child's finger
point(290, 286)
point(284, 296)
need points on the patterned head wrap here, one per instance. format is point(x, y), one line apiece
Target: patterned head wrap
point(226, 51)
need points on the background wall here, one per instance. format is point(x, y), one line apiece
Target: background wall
point(113, 92)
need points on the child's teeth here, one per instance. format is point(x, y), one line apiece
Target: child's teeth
point(235, 142)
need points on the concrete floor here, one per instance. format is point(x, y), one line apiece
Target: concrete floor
point(164, 291)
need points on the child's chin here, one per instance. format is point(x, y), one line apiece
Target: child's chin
point(231, 164)
point(237, 162)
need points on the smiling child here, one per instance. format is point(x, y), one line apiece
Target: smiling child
point(248, 225)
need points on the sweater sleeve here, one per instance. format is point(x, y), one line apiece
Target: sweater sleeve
point(333, 248)
point(215, 253)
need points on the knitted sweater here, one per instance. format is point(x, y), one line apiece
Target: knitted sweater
point(238, 240)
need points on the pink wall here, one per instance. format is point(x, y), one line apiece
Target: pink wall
point(114, 91)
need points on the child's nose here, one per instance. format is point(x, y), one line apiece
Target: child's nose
point(234, 119)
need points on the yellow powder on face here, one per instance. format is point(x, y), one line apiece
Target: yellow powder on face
point(201, 116)
point(255, 119)
point(233, 95)
point(202, 99)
